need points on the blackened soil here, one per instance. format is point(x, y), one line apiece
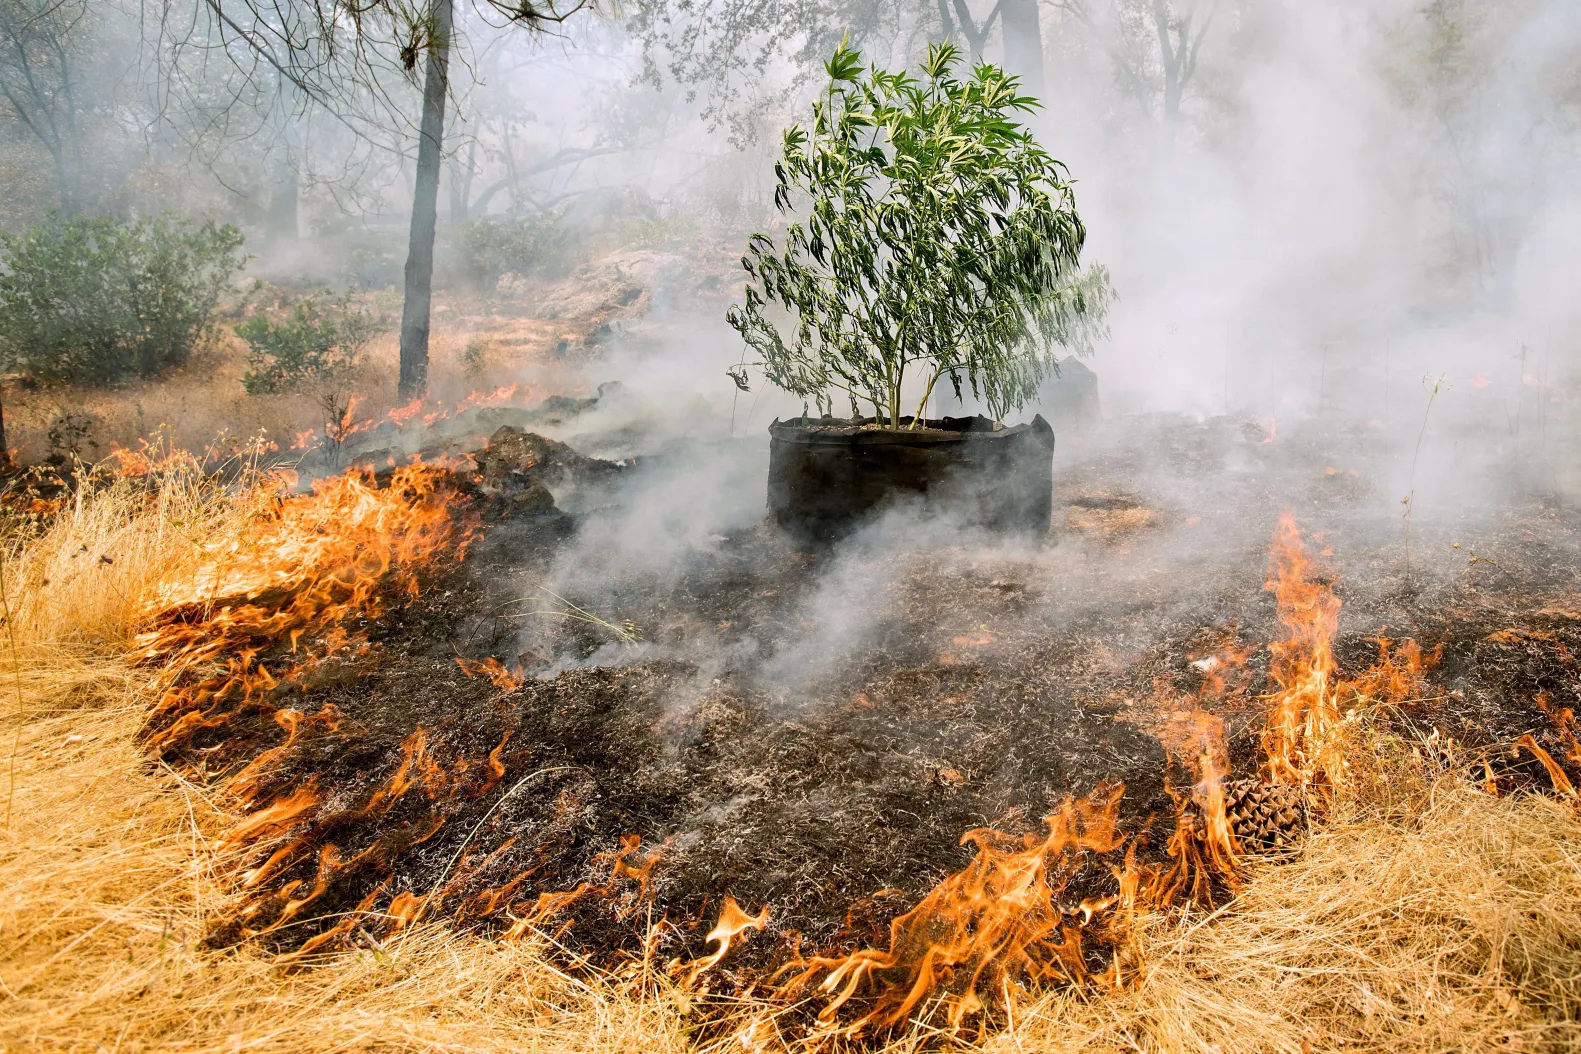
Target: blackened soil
point(815, 735)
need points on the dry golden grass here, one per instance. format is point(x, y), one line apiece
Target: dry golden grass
point(109, 880)
point(205, 403)
point(1460, 930)
point(194, 405)
point(1428, 917)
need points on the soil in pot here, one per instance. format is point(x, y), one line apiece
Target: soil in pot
point(827, 476)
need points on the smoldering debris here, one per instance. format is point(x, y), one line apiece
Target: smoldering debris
point(543, 738)
point(434, 433)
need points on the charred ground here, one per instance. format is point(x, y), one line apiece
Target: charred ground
point(821, 750)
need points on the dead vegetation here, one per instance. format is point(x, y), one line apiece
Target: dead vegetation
point(1450, 929)
point(486, 344)
point(1422, 914)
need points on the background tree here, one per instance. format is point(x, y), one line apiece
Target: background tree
point(1450, 66)
point(1155, 47)
point(339, 54)
point(495, 140)
point(955, 16)
point(724, 52)
point(1023, 34)
point(52, 71)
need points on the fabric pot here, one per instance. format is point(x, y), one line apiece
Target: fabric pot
point(826, 476)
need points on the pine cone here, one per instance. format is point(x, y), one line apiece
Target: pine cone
point(1267, 818)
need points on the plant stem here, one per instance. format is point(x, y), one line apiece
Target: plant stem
point(21, 706)
point(1410, 498)
point(926, 395)
point(897, 379)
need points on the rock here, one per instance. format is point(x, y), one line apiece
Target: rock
point(566, 404)
point(536, 495)
point(1072, 397)
point(489, 419)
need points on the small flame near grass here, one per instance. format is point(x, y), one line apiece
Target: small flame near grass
point(427, 412)
point(1063, 907)
point(265, 609)
point(303, 566)
point(1009, 925)
point(1066, 907)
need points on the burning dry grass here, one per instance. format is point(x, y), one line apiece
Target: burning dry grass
point(1452, 929)
point(1455, 929)
point(1424, 915)
point(206, 399)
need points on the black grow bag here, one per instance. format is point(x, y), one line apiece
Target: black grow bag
point(828, 475)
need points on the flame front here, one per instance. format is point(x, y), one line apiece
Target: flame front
point(265, 610)
point(1064, 905)
point(997, 923)
point(1301, 734)
point(1003, 925)
point(307, 563)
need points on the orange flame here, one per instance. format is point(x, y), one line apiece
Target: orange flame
point(1301, 736)
point(431, 413)
point(304, 565)
point(301, 567)
point(1203, 846)
point(1556, 774)
point(732, 923)
point(1399, 674)
point(493, 670)
point(1001, 923)
point(151, 459)
point(997, 923)
point(399, 415)
point(549, 904)
point(1564, 720)
point(281, 815)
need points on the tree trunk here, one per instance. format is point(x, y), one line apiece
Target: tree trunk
point(281, 221)
point(425, 206)
point(1023, 43)
point(461, 187)
point(5, 451)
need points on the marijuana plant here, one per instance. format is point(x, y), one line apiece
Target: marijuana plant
point(934, 235)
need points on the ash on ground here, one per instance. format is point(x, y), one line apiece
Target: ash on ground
point(815, 732)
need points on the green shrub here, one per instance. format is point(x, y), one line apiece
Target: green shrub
point(540, 245)
point(315, 351)
point(71, 435)
point(648, 232)
point(95, 299)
